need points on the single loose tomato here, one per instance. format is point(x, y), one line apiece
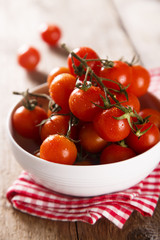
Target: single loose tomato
point(86, 53)
point(57, 124)
point(90, 140)
point(25, 121)
point(140, 80)
point(61, 88)
point(82, 103)
point(28, 57)
point(146, 141)
point(154, 115)
point(50, 33)
point(56, 71)
point(120, 72)
point(109, 128)
point(116, 153)
point(58, 149)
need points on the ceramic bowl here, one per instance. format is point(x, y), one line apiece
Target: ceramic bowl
point(83, 180)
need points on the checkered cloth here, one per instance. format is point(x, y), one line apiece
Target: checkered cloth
point(29, 197)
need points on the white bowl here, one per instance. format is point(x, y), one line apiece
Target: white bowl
point(83, 180)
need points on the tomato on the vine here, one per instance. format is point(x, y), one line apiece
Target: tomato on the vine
point(61, 88)
point(109, 128)
point(116, 153)
point(58, 149)
point(50, 33)
point(28, 57)
point(146, 141)
point(82, 103)
point(132, 101)
point(56, 71)
point(120, 72)
point(25, 121)
point(86, 53)
point(154, 115)
point(140, 80)
point(90, 140)
point(56, 124)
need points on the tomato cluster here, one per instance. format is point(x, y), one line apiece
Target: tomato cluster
point(94, 114)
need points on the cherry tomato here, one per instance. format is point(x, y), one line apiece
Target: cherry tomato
point(140, 81)
point(120, 72)
point(82, 105)
point(109, 128)
point(90, 140)
point(59, 149)
point(28, 57)
point(132, 101)
point(87, 53)
point(56, 71)
point(50, 33)
point(85, 162)
point(115, 153)
point(57, 124)
point(61, 88)
point(146, 141)
point(154, 115)
point(61, 111)
point(25, 121)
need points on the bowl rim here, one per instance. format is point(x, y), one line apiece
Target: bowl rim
point(98, 166)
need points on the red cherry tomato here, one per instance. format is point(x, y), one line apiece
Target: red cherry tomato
point(140, 81)
point(120, 72)
point(56, 71)
point(115, 153)
point(132, 101)
point(82, 105)
point(61, 88)
point(28, 57)
point(146, 141)
point(109, 128)
point(25, 121)
point(90, 140)
point(58, 149)
point(87, 53)
point(61, 111)
point(154, 115)
point(85, 162)
point(57, 124)
point(50, 33)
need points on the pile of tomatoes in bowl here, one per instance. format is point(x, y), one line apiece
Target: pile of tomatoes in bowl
point(93, 114)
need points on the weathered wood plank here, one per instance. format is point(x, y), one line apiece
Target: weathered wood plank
point(141, 20)
point(136, 224)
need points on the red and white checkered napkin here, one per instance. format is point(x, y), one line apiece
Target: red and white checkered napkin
point(29, 197)
point(155, 82)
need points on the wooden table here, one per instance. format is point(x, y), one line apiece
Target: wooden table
point(115, 29)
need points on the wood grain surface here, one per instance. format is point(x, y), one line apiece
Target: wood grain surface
point(115, 29)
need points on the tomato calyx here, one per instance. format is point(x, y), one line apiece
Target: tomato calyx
point(84, 85)
point(139, 133)
point(28, 103)
point(135, 60)
point(122, 143)
point(73, 121)
point(129, 114)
